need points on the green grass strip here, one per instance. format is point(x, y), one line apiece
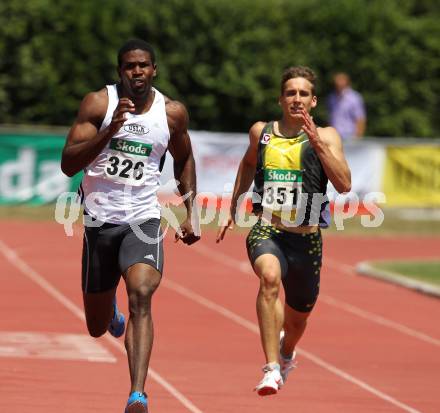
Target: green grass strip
point(427, 271)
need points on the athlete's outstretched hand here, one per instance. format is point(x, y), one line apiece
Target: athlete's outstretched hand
point(186, 233)
point(228, 224)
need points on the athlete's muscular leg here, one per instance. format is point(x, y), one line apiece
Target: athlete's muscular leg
point(269, 307)
point(295, 323)
point(141, 282)
point(98, 308)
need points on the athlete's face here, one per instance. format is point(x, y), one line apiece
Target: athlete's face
point(297, 94)
point(136, 73)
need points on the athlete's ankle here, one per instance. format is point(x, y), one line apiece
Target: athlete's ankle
point(286, 357)
point(273, 365)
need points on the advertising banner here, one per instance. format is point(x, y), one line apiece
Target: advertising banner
point(412, 176)
point(218, 156)
point(409, 175)
point(30, 169)
point(366, 160)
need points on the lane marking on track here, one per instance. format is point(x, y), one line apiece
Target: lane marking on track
point(191, 295)
point(246, 268)
point(34, 276)
point(53, 346)
point(347, 269)
point(379, 320)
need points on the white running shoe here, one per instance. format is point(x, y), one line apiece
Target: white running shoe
point(286, 364)
point(271, 383)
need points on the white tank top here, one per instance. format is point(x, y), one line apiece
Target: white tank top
point(120, 185)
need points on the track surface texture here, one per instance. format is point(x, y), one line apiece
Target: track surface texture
point(369, 346)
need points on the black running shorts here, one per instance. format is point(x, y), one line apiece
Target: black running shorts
point(300, 257)
point(110, 249)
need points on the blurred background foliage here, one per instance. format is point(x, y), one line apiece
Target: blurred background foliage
point(224, 58)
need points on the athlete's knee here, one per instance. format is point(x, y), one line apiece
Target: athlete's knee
point(302, 304)
point(270, 278)
point(270, 282)
point(140, 297)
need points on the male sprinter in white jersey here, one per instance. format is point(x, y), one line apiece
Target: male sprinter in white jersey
point(119, 139)
point(290, 161)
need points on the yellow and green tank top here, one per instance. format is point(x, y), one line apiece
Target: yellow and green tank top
point(287, 176)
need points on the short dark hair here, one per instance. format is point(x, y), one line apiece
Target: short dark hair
point(298, 71)
point(135, 44)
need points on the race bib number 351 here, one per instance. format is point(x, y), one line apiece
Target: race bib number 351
point(126, 161)
point(282, 188)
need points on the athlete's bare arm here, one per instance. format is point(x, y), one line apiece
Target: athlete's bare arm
point(328, 146)
point(184, 165)
point(245, 176)
point(84, 143)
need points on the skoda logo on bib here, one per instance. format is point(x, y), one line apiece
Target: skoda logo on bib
point(136, 129)
point(282, 188)
point(126, 161)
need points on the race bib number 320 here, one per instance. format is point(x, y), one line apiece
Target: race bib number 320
point(126, 161)
point(282, 188)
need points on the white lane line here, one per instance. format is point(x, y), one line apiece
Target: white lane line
point(158, 378)
point(53, 346)
point(347, 269)
point(33, 275)
point(379, 320)
point(223, 258)
point(249, 325)
point(246, 268)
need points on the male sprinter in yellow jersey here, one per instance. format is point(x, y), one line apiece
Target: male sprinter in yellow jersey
point(290, 161)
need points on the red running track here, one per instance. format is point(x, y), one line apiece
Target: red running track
point(369, 347)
